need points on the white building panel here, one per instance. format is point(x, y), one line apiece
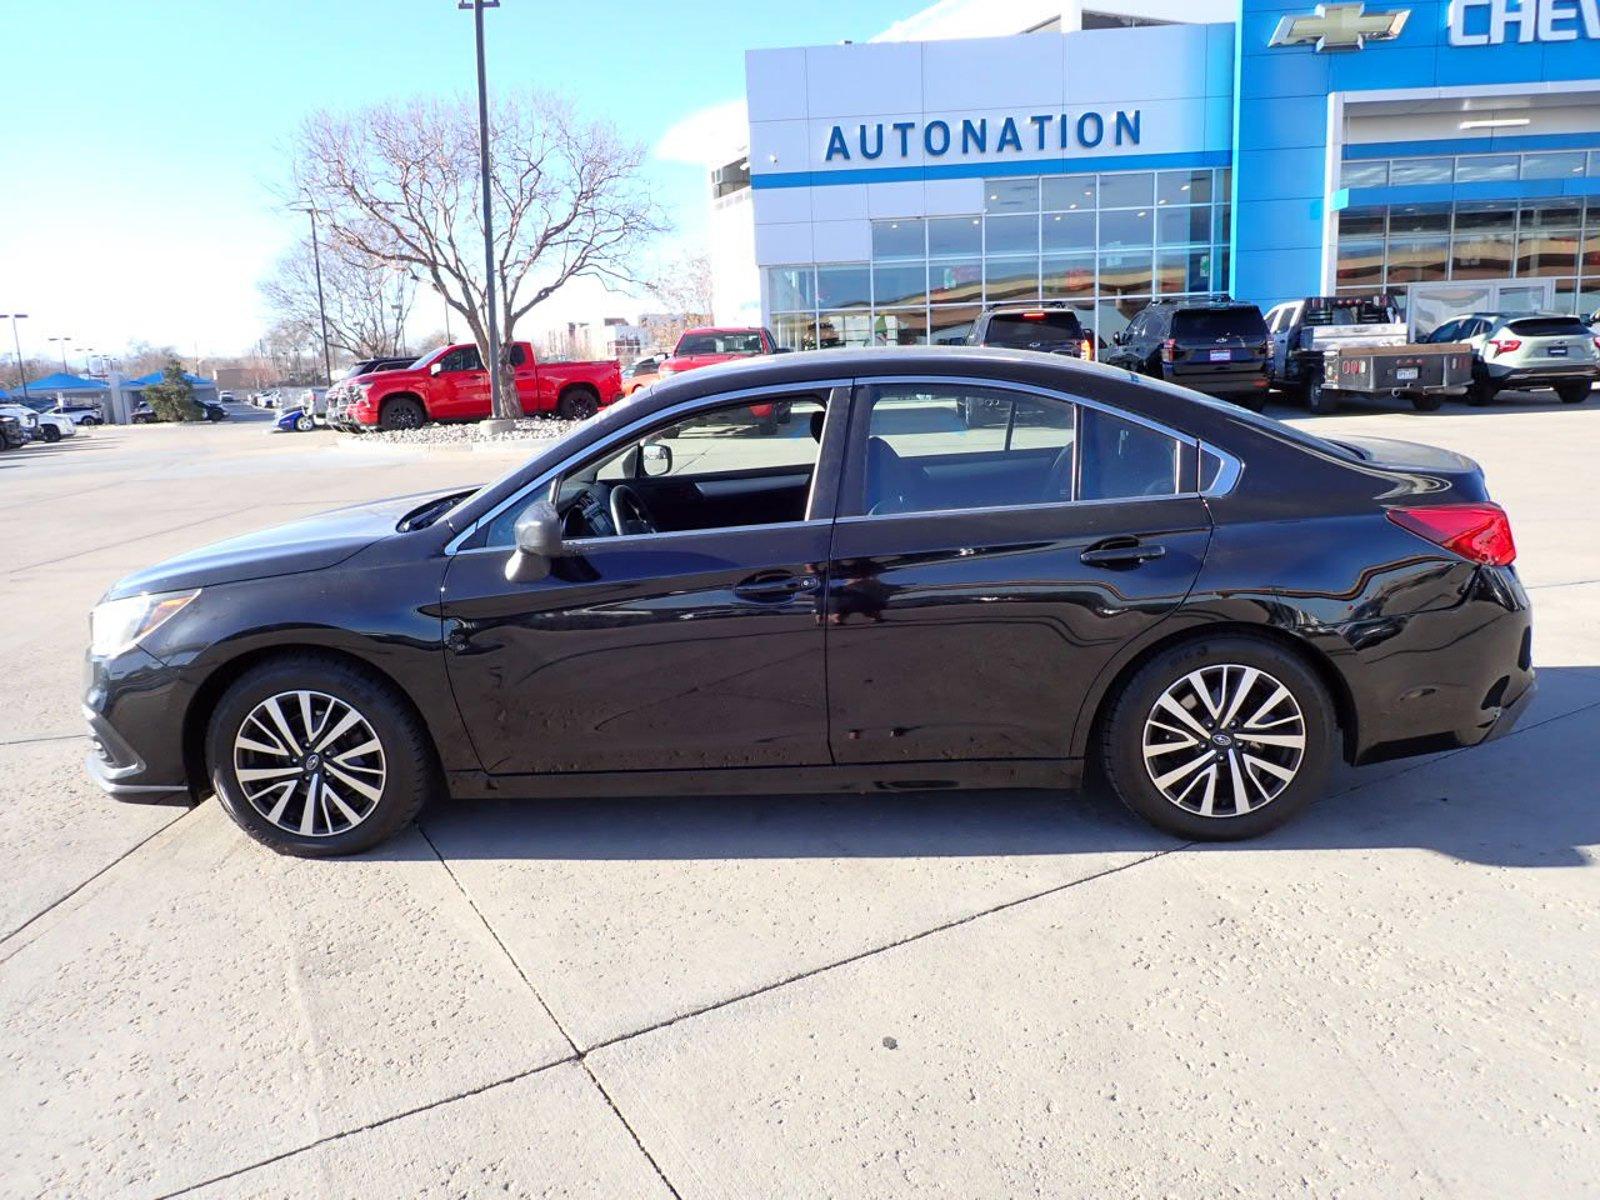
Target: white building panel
point(775, 84)
point(861, 80)
point(1007, 72)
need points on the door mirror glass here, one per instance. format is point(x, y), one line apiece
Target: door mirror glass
point(538, 539)
point(655, 459)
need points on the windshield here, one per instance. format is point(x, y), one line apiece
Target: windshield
point(1212, 324)
point(726, 342)
point(1034, 330)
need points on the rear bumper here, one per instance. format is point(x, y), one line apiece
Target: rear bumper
point(1220, 378)
point(1447, 678)
point(1544, 375)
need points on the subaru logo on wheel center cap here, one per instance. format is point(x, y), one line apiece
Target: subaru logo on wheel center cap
point(312, 761)
point(1221, 739)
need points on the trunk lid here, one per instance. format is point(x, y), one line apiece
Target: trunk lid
point(1423, 474)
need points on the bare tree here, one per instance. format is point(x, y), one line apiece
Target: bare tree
point(683, 285)
point(399, 182)
point(367, 299)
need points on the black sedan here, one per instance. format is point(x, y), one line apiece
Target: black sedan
point(1208, 605)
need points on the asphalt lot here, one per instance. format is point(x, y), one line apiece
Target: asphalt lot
point(975, 995)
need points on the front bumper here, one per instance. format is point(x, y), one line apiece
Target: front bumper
point(134, 705)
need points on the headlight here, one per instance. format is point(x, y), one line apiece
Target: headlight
point(117, 625)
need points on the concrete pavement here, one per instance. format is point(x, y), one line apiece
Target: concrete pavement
point(995, 994)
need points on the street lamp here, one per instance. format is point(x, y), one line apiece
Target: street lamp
point(63, 349)
point(477, 7)
point(22, 375)
point(310, 210)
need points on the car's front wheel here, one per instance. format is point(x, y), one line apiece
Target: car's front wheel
point(51, 433)
point(1219, 738)
point(317, 758)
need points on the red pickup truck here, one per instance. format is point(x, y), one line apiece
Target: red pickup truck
point(450, 384)
point(714, 344)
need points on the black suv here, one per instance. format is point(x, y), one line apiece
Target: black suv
point(1049, 328)
point(1216, 346)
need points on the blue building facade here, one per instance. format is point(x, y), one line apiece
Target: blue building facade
point(1449, 152)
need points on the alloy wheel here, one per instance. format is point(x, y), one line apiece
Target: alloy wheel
point(309, 763)
point(1224, 740)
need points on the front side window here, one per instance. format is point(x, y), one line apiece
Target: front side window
point(734, 465)
point(464, 358)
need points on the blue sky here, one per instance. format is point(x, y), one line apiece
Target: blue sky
point(143, 137)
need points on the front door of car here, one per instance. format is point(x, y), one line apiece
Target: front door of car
point(982, 576)
point(461, 386)
point(697, 646)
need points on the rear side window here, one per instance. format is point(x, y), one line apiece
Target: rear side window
point(1209, 324)
point(1549, 327)
point(720, 343)
point(1047, 330)
point(1122, 459)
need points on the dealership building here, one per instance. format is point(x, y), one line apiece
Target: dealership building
point(887, 189)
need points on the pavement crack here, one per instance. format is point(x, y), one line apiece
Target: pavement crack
point(41, 737)
point(875, 950)
point(62, 899)
point(191, 1188)
point(577, 1054)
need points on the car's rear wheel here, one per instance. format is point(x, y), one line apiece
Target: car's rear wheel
point(1481, 392)
point(578, 404)
point(1573, 393)
point(305, 423)
point(1219, 738)
point(51, 433)
point(402, 412)
point(317, 758)
point(1427, 402)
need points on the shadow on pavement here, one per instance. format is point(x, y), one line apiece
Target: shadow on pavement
point(1529, 800)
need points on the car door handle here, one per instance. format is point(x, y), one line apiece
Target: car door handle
point(775, 586)
point(1120, 552)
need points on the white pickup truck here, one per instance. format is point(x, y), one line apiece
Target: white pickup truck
point(1329, 347)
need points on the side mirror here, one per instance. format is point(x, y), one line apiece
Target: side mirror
point(538, 538)
point(1119, 338)
point(435, 368)
point(655, 459)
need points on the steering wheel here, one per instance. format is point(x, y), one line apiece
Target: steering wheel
point(628, 511)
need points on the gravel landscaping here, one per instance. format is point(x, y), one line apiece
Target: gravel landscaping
point(534, 428)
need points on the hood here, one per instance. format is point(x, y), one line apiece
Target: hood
point(309, 544)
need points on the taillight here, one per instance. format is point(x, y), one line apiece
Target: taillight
point(1597, 343)
point(1505, 345)
point(1169, 350)
point(1480, 533)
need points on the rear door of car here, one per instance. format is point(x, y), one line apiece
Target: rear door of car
point(981, 577)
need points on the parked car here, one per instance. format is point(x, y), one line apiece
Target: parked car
point(12, 436)
point(1051, 327)
point(1215, 345)
point(344, 389)
point(27, 419)
point(641, 374)
point(1542, 350)
point(225, 397)
point(295, 420)
point(1210, 605)
point(1329, 348)
point(80, 412)
point(208, 410)
point(450, 384)
point(52, 425)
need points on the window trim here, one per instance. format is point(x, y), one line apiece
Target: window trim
point(1186, 469)
point(835, 389)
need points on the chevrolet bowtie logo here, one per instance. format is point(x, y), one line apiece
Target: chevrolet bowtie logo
point(1340, 27)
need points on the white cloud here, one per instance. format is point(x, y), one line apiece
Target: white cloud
point(707, 137)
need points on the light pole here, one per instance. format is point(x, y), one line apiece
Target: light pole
point(477, 7)
point(22, 375)
point(310, 210)
point(63, 349)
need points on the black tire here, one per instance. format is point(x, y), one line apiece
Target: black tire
point(1122, 731)
point(1253, 401)
point(1430, 402)
point(1573, 393)
point(578, 404)
point(1320, 400)
point(305, 423)
point(1481, 392)
point(402, 412)
point(50, 433)
point(411, 775)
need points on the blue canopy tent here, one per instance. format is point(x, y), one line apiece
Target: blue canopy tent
point(69, 385)
point(204, 389)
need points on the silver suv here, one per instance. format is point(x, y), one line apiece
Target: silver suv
point(1535, 350)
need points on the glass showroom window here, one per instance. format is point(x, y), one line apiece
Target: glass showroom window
point(1108, 242)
